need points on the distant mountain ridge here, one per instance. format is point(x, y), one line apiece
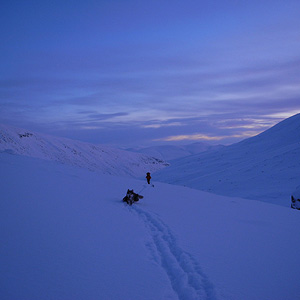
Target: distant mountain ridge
point(93, 157)
point(265, 167)
point(171, 152)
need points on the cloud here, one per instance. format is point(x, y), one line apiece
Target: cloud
point(161, 124)
point(203, 137)
point(158, 76)
point(100, 117)
point(190, 137)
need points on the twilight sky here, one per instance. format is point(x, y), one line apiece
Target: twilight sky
point(139, 73)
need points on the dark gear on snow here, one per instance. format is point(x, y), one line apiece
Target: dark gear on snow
point(132, 197)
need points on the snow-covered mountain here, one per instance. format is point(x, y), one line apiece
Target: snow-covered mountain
point(265, 167)
point(65, 234)
point(170, 152)
point(94, 157)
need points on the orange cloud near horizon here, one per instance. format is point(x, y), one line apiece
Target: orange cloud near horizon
point(198, 136)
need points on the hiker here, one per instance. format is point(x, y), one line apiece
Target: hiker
point(148, 177)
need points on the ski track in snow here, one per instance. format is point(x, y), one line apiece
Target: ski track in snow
point(185, 274)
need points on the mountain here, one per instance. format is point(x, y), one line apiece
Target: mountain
point(93, 157)
point(265, 167)
point(65, 234)
point(171, 152)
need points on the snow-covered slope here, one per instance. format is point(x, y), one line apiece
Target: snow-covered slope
point(65, 234)
point(94, 157)
point(265, 167)
point(170, 152)
point(296, 192)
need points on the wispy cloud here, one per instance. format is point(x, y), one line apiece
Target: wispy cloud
point(186, 72)
point(99, 116)
point(203, 137)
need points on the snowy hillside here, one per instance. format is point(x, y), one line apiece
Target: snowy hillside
point(94, 157)
point(65, 234)
point(170, 152)
point(265, 167)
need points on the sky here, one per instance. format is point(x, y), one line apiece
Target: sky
point(134, 73)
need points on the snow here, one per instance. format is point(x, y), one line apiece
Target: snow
point(171, 152)
point(65, 234)
point(93, 157)
point(265, 167)
point(296, 193)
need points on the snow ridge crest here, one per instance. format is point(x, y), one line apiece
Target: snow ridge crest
point(107, 160)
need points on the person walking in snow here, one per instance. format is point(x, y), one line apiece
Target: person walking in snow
point(148, 177)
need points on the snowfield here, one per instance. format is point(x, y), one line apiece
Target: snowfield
point(65, 234)
point(71, 152)
point(265, 167)
point(171, 152)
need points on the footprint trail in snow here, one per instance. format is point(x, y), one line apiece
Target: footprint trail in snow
point(186, 276)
